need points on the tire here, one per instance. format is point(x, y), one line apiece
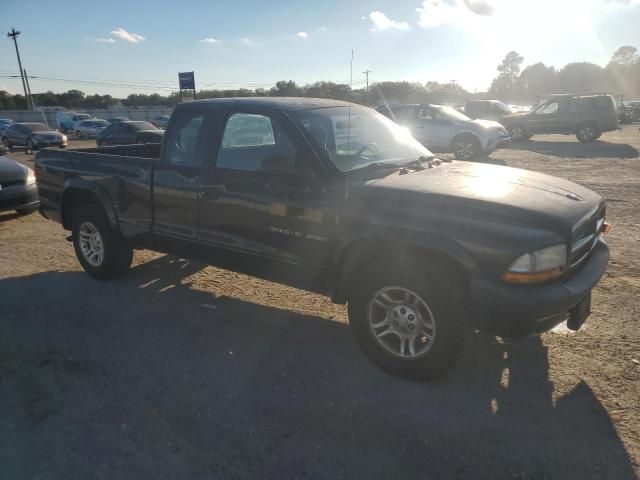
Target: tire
point(30, 147)
point(6, 142)
point(436, 349)
point(99, 143)
point(466, 147)
point(518, 133)
point(587, 132)
point(116, 254)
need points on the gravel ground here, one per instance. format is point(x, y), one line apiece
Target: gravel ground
point(181, 370)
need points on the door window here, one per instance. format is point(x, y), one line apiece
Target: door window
point(249, 139)
point(548, 109)
point(183, 139)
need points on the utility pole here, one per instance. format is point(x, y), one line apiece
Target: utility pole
point(26, 80)
point(351, 70)
point(367, 72)
point(13, 34)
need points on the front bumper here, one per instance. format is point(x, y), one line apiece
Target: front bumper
point(49, 143)
point(18, 198)
point(496, 143)
point(519, 310)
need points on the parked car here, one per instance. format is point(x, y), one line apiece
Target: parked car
point(128, 133)
point(629, 112)
point(90, 128)
point(18, 189)
point(67, 120)
point(585, 116)
point(487, 110)
point(117, 119)
point(444, 129)
point(335, 198)
point(32, 136)
point(161, 121)
point(4, 123)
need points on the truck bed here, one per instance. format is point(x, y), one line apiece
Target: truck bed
point(120, 176)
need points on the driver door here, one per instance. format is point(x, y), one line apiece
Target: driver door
point(545, 119)
point(280, 214)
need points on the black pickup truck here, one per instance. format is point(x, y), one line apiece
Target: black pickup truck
point(335, 198)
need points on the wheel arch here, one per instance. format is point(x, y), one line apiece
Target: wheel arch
point(80, 192)
point(358, 253)
point(465, 134)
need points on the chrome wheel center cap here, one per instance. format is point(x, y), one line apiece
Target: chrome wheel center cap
point(404, 319)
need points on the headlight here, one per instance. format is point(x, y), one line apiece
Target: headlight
point(31, 178)
point(538, 266)
point(64, 138)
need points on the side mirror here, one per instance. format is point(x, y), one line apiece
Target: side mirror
point(282, 165)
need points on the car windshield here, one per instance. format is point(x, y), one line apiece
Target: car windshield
point(36, 127)
point(143, 126)
point(355, 137)
point(452, 113)
point(83, 116)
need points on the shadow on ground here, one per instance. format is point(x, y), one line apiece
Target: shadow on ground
point(149, 378)
point(597, 149)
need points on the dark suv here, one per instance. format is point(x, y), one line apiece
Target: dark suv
point(585, 116)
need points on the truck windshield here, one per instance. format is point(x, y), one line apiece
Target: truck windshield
point(354, 137)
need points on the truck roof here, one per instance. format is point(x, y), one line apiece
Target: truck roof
point(275, 103)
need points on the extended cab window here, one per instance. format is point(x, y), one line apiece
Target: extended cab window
point(182, 142)
point(249, 139)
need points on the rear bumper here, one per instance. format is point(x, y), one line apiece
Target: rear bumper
point(18, 198)
point(519, 310)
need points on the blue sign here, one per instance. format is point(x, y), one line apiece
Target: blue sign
point(187, 81)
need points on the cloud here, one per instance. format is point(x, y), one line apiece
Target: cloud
point(122, 34)
point(249, 42)
point(480, 7)
point(105, 40)
point(321, 30)
point(210, 40)
point(382, 22)
point(304, 35)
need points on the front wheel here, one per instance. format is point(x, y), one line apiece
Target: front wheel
point(409, 321)
point(466, 147)
point(518, 133)
point(99, 248)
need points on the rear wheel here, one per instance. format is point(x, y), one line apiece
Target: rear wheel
point(409, 321)
point(6, 143)
point(99, 248)
point(587, 132)
point(466, 147)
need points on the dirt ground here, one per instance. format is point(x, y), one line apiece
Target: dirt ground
point(181, 370)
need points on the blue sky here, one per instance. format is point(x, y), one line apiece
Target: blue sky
point(143, 44)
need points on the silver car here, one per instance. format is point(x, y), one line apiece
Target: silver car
point(90, 128)
point(444, 129)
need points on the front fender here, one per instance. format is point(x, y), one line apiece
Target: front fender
point(380, 241)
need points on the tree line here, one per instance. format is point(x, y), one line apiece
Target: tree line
point(620, 76)
point(512, 84)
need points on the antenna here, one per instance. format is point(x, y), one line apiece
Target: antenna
point(346, 188)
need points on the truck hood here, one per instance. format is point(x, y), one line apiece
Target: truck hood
point(509, 194)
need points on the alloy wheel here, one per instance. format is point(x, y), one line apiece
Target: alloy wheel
point(401, 322)
point(91, 244)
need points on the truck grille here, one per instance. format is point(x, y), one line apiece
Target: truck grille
point(585, 236)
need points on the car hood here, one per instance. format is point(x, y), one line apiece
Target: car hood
point(10, 170)
point(479, 124)
point(48, 134)
point(511, 195)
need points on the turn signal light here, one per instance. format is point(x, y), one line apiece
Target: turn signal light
point(607, 227)
point(533, 277)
